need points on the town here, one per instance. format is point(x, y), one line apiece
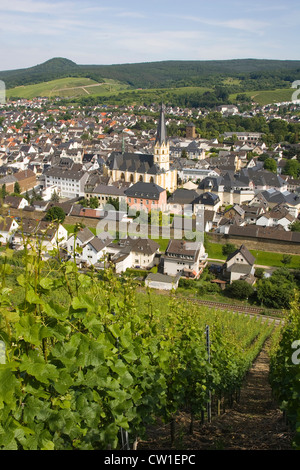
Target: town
point(103, 168)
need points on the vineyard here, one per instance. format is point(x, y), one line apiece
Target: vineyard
point(87, 363)
point(285, 371)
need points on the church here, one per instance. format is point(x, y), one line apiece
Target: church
point(135, 167)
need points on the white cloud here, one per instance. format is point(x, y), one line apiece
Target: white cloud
point(242, 24)
point(131, 14)
point(32, 6)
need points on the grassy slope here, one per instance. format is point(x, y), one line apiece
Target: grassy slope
point(76, 87)
point(66, 87)
point(269, 96)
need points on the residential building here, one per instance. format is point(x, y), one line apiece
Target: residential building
point(78, 240)
point(146, 197)
point(26, 179)
point(277, 216)
point(162, 281)
point(47, 235)
point(68, 177)
point(187, 258)
point(8, 226)
point(105, 192)
point(132, 253)
point(239, 265)
point(16, 202)
point(94, 251)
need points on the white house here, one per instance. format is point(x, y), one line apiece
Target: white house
point(187, 258)
point(7, 228)
point(93, 251)
point(48, 234)
point(79, 240)
point(130, 253)
point(16, 202)
point(162, 281)
point(276, 217)
point(240, 266)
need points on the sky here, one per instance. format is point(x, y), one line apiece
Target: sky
point(134, 31)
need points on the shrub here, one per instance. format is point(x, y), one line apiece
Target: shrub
point(228, 248)
point(239, 290)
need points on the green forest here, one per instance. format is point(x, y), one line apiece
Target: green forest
point(249, 74)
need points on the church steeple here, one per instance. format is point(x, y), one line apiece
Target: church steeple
point(162, 145)
point(161, 136)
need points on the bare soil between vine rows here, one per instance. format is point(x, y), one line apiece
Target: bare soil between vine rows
point(254, 423)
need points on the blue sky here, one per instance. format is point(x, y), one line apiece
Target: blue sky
point(128, 31)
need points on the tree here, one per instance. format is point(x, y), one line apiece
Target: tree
point(239, 289)
point(184, 154)
point(17, 188)
point(259, 273)
point(295, 226)
point(270, 165)
point(292, 168)
point(54, 197)
point(55, 214)
point(278, 290)
point(3, 191)
point(228, 248)
point(286, 259)
point(93, 203)
point(112, 202)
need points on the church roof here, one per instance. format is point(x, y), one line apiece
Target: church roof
point(133, 162)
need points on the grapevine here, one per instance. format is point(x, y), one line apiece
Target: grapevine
point(285, 370)
point(86, 357)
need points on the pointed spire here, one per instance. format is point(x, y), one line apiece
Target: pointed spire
point(161, 136)
point(123, 143)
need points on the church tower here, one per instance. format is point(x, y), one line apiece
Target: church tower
point(162, 145)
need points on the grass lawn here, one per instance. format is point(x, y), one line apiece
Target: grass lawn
point(214, 251)
point(70, 228)
point(264, 258)
point(163, 243)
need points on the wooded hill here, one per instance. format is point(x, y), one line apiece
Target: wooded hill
point(244, 74)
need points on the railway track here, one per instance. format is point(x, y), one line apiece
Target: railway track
point(266, 314)
point(255, 311)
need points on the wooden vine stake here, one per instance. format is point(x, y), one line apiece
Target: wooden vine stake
point(209, 391)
